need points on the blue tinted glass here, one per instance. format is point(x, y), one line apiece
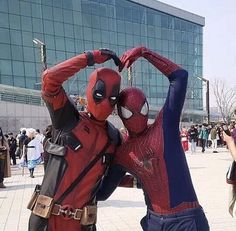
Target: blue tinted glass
point(16, 38)
point(28, 54)
point(26, 23)
point(60, 43)
point(5, 67)
point(69, 31)
point(70, 45)
point(13, 6)
point(47, 12)
point(29, 69)
point(27, 38)
point(36, 10)
point(48, 27)
point(58, 14)
point(16, 52)
point(4, 6)
point(37, 25)
point(18, 68)
point(4, 22)
point(59, 28)
point(49, 41)
point(19, 81)
point(6, 79)
point(68, 17)
point(31, 83)
point(25, 8)
point(5, 51)
point(14, 21)
point(4, 35)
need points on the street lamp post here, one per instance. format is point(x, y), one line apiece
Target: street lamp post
point(42, 52)
point(207, 97)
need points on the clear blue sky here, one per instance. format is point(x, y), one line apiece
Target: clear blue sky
point(219, 50)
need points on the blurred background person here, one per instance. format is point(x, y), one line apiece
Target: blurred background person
point(5, 170)
point(12, 147)
point(184, 138)
point(193, 137)
point(213, 134)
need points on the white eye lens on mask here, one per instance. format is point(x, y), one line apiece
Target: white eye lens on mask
point(98, 94)
point(113, 98)
point(126, 113)
point(144, 110)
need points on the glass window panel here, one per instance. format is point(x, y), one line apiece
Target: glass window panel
point(18, 68)
point(47, 12)
point(29, 69)
point(104, 23)
point(87, 22)
point(79, 46)
point(67, 4)
point(87, 33)
point(128, 27)
point(37, 25)
point(177, 24)
point(121, 39)
point(31, 83)
point(69, 31)
point(36, 10)
point(17, 52)
point(26, 23)
point(28, 54)
point(96, 35)
point(129, 40)
point(96, 22)
point(16, 38)
point(88, 45)
point(78, 32)
point(5, 51)
point(5, 67)
point(68, 16)
point(77, 18)
point(13, 6)
point(19, 81)
point(105, 36)
point(69, 55)
point(49, 41)
point(4, 22)
point(151, 43)
point(57, 3)
point(3, 6)
point(112, 25)
point(60, 43)
point(58, 14)
point(6, 79)
point(59, 28)
point(4, 35)
point(120, 26)
point(51, 56)
point(48, 27)
point(113, 38)
point(120, 12)
point(127, 14)
point(151, 31)
point(14, 21)
point(25, 8)
point(70, 45)
point(136, 29)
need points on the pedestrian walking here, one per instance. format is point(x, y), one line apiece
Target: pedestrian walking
point(193, 137)
point(12, 147)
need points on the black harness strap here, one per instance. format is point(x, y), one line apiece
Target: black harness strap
point(83, 173)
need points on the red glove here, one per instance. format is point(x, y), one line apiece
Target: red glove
point(130, 56)
point(101, 56)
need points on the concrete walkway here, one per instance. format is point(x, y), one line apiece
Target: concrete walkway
point(125, 208)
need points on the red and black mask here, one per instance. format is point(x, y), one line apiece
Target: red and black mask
point(102, 92)
point(133, 110)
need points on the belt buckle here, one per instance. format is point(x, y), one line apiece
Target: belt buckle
point(58, 207)
point(77, 214)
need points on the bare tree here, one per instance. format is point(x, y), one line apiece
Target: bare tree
point(225, 98)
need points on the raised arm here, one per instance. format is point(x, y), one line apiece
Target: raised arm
point(52, 91)
point(176, 75)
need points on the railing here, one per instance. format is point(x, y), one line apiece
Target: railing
point(20, 95)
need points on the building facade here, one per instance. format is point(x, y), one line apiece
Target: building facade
point(69, 27)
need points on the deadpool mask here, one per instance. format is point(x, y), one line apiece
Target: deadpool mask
point(102, 92)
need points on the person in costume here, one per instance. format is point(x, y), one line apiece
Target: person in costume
point(153, 154)
point(78, 138)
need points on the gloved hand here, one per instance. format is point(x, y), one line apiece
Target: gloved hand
point(101, 56)
point(130, 56)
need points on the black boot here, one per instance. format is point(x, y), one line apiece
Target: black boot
point(2, 185)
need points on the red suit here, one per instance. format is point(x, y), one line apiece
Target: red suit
point(83, 135)
point(153, 153)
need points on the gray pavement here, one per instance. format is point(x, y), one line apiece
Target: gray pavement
point(124, 209)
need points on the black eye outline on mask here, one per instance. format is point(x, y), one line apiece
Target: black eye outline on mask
point(145, 109)
point(99, 91)
point(126, 113)
point(113, 100)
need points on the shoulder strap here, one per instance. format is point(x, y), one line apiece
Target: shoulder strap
point(83, 173)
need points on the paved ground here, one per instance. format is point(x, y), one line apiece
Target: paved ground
point(125, 207)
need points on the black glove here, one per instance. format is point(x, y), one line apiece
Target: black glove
point(112, 55)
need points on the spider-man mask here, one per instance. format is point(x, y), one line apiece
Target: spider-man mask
point(102, 92)
point(133, 110)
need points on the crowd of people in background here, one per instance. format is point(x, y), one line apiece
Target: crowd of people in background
point(205, 136)
point(27, 146)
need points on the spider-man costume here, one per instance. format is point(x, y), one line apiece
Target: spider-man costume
point(83, 134)
point(154, 155)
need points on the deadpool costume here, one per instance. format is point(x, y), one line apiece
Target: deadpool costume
point(153, 153)
point(78, 138)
